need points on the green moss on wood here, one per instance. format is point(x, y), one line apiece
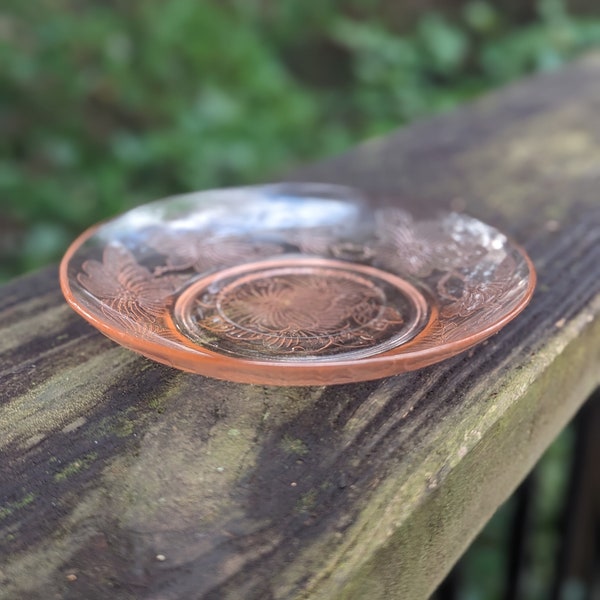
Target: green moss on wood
point(307, 501)
point(8, 509)
point(294, 446)
point(81, 464)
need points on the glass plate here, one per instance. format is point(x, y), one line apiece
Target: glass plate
point(294, 284)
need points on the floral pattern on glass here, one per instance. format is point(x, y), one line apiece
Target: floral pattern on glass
point(298, 313)
point(131, 292)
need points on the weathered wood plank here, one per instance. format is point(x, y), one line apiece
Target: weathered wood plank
point(124, 478)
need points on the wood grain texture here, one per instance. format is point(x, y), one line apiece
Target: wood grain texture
point(126, 479)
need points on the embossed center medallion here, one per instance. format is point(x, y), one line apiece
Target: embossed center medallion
point(288, 309)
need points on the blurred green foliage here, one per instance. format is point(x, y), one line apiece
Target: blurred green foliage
point(104, 105)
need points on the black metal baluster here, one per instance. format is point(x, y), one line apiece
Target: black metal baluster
point(520, 537)
point(450, 587)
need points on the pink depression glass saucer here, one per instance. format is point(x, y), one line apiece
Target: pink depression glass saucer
point(294, 284)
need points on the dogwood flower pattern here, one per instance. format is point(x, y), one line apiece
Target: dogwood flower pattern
point(134, 294)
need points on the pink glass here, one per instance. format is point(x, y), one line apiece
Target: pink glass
point(294, 284)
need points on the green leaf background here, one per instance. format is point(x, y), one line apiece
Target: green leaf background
point(105, 105)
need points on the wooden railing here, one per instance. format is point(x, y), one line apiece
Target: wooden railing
point(122, 478)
